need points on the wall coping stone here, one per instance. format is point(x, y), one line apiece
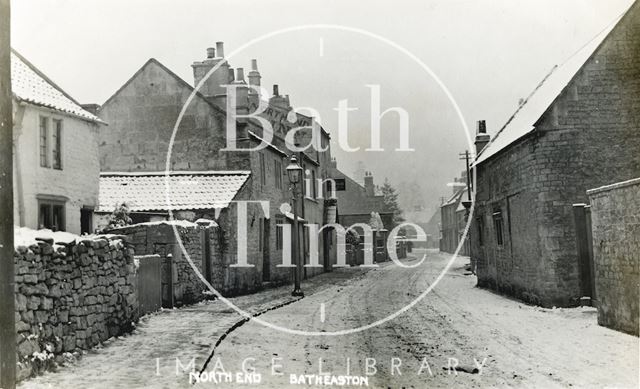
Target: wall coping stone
point(617, 185)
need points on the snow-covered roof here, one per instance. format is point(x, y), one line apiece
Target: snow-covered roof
point(30, 85)
point(523, 120)
point(147, 191)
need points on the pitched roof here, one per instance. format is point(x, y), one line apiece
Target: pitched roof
point(183, 83)
point(354, 200)
point(154, 191)
point(30, 85)
point(524, 119)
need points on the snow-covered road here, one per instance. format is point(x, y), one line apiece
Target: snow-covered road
point(511, 344)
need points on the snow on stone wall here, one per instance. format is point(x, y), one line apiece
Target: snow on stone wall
point(71, 294)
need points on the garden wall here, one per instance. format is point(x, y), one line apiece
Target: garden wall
point(71, 297)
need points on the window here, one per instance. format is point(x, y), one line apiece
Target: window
point(277, 167)
point(314, 189)
point(50, 143)
point(56, 144)
point(279, 238)
point(498, 223)
point(480, 224)
point(44, 142)
point(262, 170)
point(51, 215)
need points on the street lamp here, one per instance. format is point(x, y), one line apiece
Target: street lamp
point(294, 172)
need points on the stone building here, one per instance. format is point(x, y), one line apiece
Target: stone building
point(356, 203)
point(579, 129)
point(142, 115)
point(56, 166)
point(454, 218)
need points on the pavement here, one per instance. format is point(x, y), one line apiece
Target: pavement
point(457, 335)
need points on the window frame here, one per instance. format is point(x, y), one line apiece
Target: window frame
point(43, 136)
point(277, 167)
point(56, 144)
point(262, 170)
point(279, 232)
point(480, 230)
point(51, 204)
point(498, 225)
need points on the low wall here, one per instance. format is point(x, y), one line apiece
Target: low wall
point(71, 297)
point(159, 238)
point(615, 220)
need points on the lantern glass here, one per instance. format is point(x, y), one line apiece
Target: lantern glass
point(294, 170)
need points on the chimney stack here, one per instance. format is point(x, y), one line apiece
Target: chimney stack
point(240, 75)
point(220, 49)
point(279, 100)
point(368, 184)
point(482, 138)
point(254, 77)
point(212, 88)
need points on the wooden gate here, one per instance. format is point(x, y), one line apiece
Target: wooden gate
point(584, 241)
point(149, 283)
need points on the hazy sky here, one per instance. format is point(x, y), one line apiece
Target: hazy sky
point(488, 53)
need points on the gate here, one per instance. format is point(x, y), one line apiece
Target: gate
point(149, 283)
point(584, 242)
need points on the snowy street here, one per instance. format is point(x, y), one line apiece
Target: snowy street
point(507, 342)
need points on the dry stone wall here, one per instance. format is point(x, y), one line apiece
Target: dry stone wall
point(71, 297)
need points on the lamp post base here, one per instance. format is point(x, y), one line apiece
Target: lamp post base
point(297, 293)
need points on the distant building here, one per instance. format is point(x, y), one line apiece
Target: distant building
point(356, 203)
point(56, 166)
point(453, 219)
point(579, 129)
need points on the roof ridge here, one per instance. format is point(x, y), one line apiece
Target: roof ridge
point(172, 74)
point(86, 115)
point(178, 173)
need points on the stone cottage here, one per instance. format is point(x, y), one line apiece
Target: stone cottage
point(356, 203)
point(145, 110)
point(56, 167)
point(579, 129)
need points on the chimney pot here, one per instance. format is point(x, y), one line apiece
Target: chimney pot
point(482, 127)
point(220, 49)
point(211, 52)
point(254, 64)
point(231, 75)
point(275, 90)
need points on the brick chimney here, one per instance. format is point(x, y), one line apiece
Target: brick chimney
point(213, 87)
point(482, 138)
point(368, 184)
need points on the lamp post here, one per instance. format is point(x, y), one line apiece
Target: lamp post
point(294, 172)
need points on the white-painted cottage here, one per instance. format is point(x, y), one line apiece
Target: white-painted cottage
point(56, 166)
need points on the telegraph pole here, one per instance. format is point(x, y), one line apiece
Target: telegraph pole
point(466, 156)
point(7, 306)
